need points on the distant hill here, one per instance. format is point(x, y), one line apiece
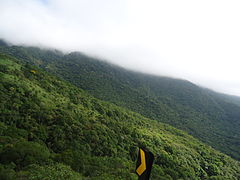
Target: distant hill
point(228, 98)
point(50, 129)
point(211, 117)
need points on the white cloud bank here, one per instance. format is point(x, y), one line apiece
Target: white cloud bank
point(195, 40)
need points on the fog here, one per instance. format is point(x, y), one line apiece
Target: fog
point(194, 40)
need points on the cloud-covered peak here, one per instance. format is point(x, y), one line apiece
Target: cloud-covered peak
point(195, 40)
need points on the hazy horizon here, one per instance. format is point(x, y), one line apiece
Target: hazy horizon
point(196, 41)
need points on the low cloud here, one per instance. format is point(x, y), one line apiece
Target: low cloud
point(194, 40)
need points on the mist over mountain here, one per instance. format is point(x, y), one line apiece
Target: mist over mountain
point(172, 38)
point(212, 117)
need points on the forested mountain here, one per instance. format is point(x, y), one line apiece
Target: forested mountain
point(209, 116)
point(50, 129)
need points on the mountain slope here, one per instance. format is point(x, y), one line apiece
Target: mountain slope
point(49, 128)
point(227, 98)
point(209, 116)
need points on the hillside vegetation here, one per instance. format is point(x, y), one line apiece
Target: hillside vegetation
point(50, 129)
point(211, 117)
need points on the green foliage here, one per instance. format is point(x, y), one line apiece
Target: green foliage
point(23, 153)
point(50, 129)
point(211, 117)
point(49, 172)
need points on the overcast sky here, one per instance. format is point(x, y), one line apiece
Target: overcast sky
point(194, 40)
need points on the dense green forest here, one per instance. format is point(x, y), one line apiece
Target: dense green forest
point(50, 129)
point(209, 116)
